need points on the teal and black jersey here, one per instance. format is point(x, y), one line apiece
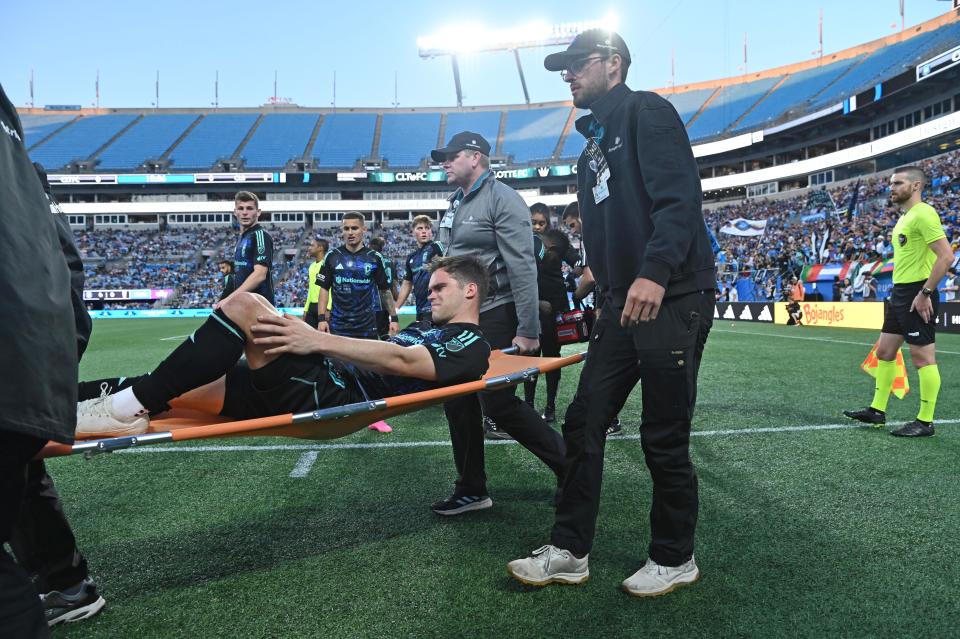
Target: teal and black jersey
point(419, 275)
point(459, 351)
point(229, 285)
point(354, 281)
point(390, 269)
point(254, 248)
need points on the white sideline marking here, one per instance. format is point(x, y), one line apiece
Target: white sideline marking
point(304, 464)
point(500, 442)
point(170, 339)
point(814, 339)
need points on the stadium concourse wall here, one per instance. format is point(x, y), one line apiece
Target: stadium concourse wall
point(866, 315)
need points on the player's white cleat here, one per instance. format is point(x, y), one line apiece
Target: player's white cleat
point(97, 418)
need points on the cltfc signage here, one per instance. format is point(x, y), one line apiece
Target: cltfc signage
point(562, 170)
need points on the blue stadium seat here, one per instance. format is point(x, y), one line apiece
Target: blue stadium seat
point(80, 140)
point(575, 142)
point(37, 127)
point(344, 138)
point(147, 139)
point(687, 103)
point(407, 138)
point(216, 137)
point(888, 62)
point(281, 137)
point(532, 134)
point(732, 101)
point(794, 93)
point(486, 123)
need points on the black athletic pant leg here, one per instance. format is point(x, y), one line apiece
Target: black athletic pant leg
point(42, 540)
point(21, 615)
point(499, 327)
point(607, 378)
point(669, 398)
point(665, 356)
point(549, 347)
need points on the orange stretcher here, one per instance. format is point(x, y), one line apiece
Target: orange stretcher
point(327, 423)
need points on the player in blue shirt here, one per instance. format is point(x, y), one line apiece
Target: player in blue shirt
point(253, 256)
point(417, 275)
point(354, 275)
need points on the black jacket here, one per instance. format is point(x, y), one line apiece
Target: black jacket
point(651, 223)
point(38, 347)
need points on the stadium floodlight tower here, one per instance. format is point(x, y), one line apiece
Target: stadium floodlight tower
point(451, 41)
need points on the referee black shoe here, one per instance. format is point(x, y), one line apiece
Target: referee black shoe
point(868, 415)
point(60, 607)
point(916, 428)
point(460, 504)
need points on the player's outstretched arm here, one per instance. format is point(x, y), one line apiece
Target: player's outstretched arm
point(289, 335)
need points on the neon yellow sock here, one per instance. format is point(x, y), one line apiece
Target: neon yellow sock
point(886, 371)
point(929, 389)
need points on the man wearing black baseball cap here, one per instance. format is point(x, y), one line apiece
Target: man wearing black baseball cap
point(463, 141)
point(487, 218)
point(640, 207)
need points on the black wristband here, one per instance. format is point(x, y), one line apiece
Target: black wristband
point(926, 291)
point(322, 317)
point(394, 318)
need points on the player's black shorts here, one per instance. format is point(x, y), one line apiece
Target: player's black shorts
point(899, 320)
point(288, 384)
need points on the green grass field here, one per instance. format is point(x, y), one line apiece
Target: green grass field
point(809, 526)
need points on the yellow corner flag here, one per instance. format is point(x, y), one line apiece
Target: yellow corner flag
point(901, 384)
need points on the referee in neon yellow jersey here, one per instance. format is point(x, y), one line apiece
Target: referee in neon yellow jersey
point(318, 251)
point(921, 257)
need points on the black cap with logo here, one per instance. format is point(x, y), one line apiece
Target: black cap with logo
point(588, 42)
point(466, 140)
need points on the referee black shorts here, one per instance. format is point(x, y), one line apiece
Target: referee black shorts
point(898, 319)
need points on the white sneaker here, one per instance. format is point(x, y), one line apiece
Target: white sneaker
point(550, 565)
point(96, 418)
point(654, 579)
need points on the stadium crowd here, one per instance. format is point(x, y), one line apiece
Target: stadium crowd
point(809, 229)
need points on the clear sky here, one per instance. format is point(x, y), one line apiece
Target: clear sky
point(369, 43)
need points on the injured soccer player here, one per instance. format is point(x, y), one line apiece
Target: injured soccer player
point(291, 367)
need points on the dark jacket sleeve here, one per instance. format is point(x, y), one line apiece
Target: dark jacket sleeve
point(672, 180)
point(81, 317)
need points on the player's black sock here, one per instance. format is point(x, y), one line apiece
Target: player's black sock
point(107, 386)
point(207, 355)
point(553, 383)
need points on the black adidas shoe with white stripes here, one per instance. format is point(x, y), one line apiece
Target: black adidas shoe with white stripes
point(459, 504)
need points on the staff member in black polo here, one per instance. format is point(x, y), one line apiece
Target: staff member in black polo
point(640, 206)
point(488, 219)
